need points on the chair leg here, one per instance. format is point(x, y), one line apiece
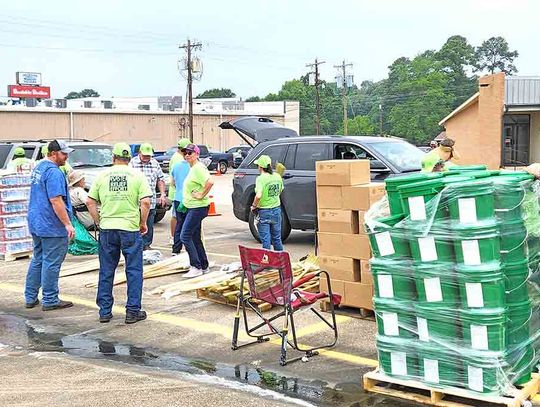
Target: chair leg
point(283, 357)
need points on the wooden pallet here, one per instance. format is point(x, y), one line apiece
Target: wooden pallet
point(213, 296)
point(376, 382)
point(15, 256)
point(348, 311)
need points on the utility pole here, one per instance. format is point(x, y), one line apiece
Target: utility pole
point(343, 68)
point(188, 47)
point(380, 119)
point(317, 97)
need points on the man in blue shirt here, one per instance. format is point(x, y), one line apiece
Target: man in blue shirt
point(49, 212)
point(179, 172)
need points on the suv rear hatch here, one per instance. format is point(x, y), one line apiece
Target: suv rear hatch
point(258, 129)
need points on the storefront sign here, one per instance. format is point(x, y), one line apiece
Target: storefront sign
point(21, 91)
point(29, 78)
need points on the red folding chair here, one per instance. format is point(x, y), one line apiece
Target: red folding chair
point(270, 279)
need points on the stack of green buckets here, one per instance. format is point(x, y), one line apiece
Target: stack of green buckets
point(454, 271)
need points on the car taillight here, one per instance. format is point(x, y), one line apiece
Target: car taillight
point(239, 174)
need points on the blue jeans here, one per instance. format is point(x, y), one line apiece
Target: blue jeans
point(149, 237)
point(112, 242)
point(269, 227)
point(180, 217)
point(191, 237)
point(44, 269)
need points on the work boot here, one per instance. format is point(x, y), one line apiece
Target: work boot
point(193, 272)
point(32, 304)
point(132, 317)
point(105, 318)
point(60, 305)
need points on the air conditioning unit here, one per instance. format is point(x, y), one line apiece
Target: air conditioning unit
point(60, 103)
point(144, 107)
point(31, 102)
point(177, 102)
point(168, 107)
point(87, 104)
point(107, 104)
point(48, 103)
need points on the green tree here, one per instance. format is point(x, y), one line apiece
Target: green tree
point(85, 93)
point(495, 55)
point(254, 99)
point(359, 126)
point(216, 94)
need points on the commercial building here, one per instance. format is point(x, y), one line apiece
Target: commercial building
point(500, 124)
point(139, 119)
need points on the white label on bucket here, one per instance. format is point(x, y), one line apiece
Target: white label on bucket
point(475, 297)
point(399, 363)
point(467, 210)
point(433, 289)
point(384, 243)
point(417, 208)
point(471, 252)
point(423, 333)
point(428, 251)
point(479, 337)
point(431, 370)
point(386, 287)
point(476, 378)
point(390, 323)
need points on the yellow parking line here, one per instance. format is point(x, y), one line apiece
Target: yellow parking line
point(210, 327)
point(318, 327)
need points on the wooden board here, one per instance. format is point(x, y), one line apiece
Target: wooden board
point(212, 296)
point(348, 311)
point(377, 382)
point(15, 256)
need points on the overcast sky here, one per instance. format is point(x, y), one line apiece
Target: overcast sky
point(130, 48)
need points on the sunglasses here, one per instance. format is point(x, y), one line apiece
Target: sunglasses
point(188, 152)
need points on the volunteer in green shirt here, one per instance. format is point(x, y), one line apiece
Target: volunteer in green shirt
point(197, 185)
point(439, 158)
point(124, 196)
point(20, 162)
point(175, 159)
point(267, 204)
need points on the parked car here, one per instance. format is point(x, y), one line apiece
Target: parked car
point(239, 153)
point(388, 157)
point(214, 161)
point(89, 157)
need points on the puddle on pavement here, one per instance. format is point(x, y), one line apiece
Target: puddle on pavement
point(316, 392)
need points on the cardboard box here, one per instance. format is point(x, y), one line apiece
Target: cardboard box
point(361, 197)
point(340, 268)
point(365, 272)
point(338, 286)
point(344, 245)
point(338, 221)
point(358, 295)
point(343, 172)
point(328, 197)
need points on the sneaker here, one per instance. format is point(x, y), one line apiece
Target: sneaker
point(171, 241)
point(206, 271)
point(174, 254)
point(32, 304)
point(132, 317)
point(60, 305)
point(193, 272)
point(106, 318)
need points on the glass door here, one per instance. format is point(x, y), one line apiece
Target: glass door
point(516, 139)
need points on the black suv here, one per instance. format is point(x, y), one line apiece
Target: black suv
point(387, 155)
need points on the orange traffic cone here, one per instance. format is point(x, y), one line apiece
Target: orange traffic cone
point(212, 209)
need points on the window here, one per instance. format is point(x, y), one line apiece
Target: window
point(4, 151)
point(289, 158)
point(204, 150)
point(307, 154)
point(350, 152)
point(276, 153)
point(29, 151)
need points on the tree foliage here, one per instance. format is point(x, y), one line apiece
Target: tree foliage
point(359, 126)
point(85, 93)
point(495, 55)
point(216, 94)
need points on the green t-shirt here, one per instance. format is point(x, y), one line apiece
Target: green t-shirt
point(119, 190)
point(175, 159)
point(431, 159)
point(269, 187)
point(20, 162)
point(195, 181)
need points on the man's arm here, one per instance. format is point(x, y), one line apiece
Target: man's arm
point(145, 209)
point(93, 209)
point(163, 197)
point(59, 208)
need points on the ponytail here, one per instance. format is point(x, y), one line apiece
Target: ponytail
point(268, 169)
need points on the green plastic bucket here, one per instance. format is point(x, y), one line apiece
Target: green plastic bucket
point(462, 168)
point(397, 357)
point(387, 240)
point(481, 286)
point(514, 237)
point(438, 366)
point(515, 277)
point(471, 202)
point(436, 284)
point(437, 324)
point(521, 361)
point(433, 247)
point(484, 372)
point(393, 279)
point(518, 323)
point(392, 184)
point(484, 328)
point(395, 318)
point(510, 191)
point(415, 198)
point(477, 243)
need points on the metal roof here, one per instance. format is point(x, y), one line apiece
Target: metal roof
point(522, 91)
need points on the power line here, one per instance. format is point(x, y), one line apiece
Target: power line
point(189, 47)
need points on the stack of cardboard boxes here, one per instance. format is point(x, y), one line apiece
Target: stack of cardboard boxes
point(344, 193)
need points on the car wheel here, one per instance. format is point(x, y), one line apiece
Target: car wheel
point(159, 216)
point(222, 167)
point(285, 226)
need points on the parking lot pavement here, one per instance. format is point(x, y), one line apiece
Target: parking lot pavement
point(188, 335)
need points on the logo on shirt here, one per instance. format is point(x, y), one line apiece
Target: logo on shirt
point(273, 190)
point(118, 183)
